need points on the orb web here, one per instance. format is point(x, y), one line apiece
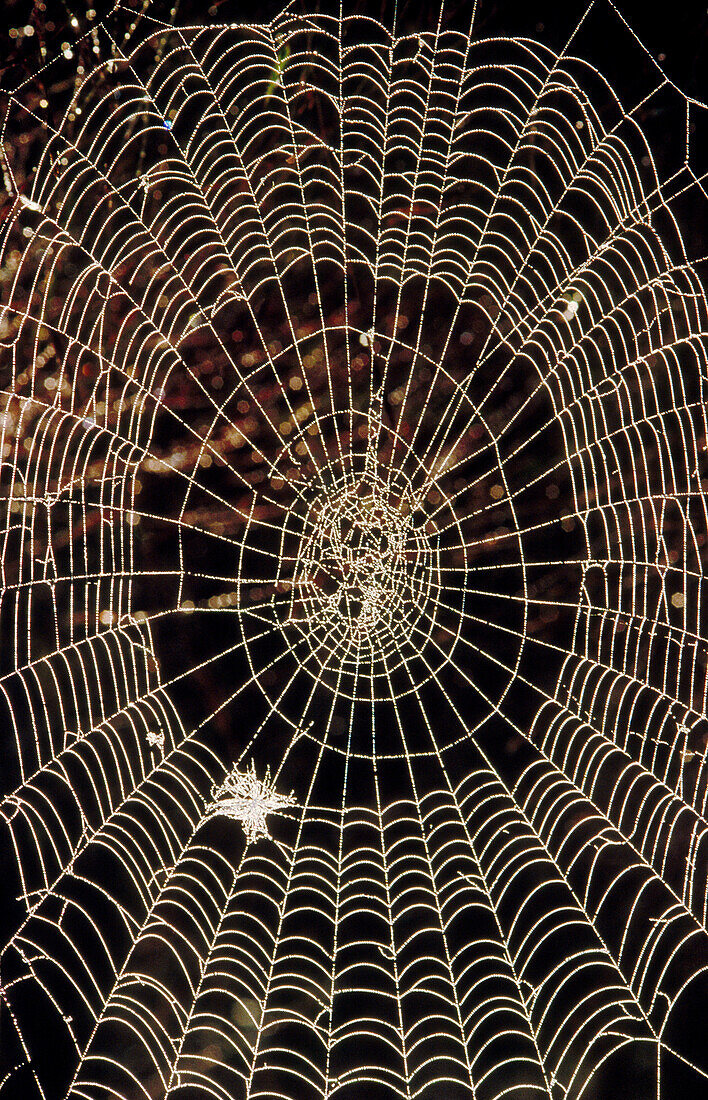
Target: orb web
point(353, 467)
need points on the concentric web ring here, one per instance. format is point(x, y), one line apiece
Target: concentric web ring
point(374, 568)
point(352, 469)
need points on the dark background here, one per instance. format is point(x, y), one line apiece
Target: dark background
point(678, 31)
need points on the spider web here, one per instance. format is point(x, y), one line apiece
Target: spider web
point(353, 525)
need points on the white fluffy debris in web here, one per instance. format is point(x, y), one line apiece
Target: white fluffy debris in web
point(30, 204)
point(156, 740)
point(248, 799)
